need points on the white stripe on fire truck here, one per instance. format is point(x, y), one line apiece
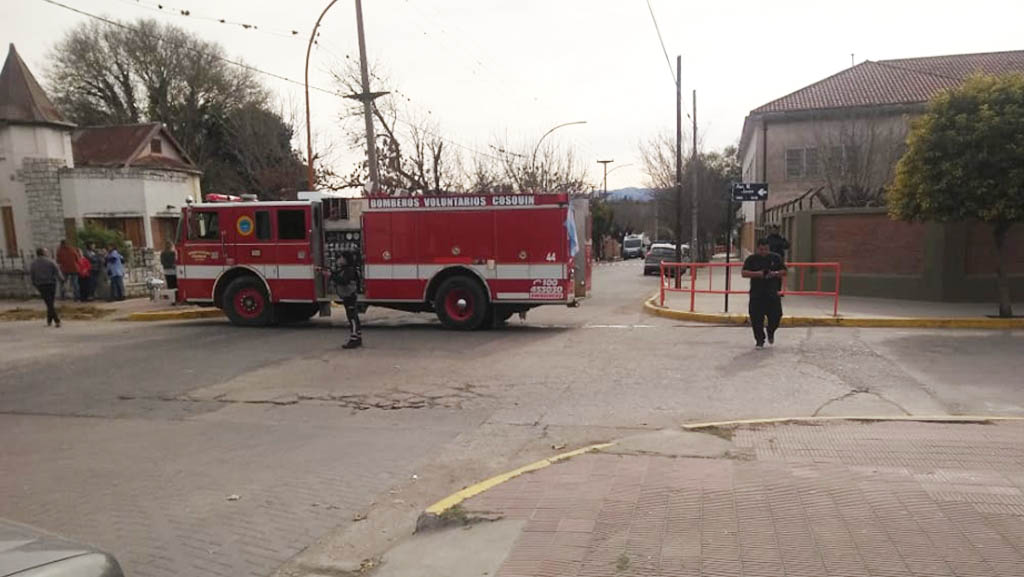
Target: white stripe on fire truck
point(513, 296)
point(501, 271)
point(270, 271)
point(294, 271)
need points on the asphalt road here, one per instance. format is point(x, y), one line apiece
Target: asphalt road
point(136, 437)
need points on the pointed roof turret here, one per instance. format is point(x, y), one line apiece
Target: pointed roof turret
point(22, 99)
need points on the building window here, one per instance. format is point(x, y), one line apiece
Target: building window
point(156, 146)
point(10, 238)
point(291, 225)
point(802, 163)
point(794, 163)
point(812, 167)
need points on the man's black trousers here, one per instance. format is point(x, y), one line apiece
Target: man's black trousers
point(761, 307)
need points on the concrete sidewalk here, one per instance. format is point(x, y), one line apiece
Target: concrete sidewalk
point(840, 498)
point(133, 308)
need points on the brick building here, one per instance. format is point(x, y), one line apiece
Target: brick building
point(834, 144)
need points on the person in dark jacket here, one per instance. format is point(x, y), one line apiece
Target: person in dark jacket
point(95, 266)
point(169, 262)
point(778, 245)
point(345, 277)
point(46, 277)
point(764, 268)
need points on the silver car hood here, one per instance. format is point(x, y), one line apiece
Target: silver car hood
point(23, 548)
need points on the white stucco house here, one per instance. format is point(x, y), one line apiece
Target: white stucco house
point(56, 178)
point(133, 178)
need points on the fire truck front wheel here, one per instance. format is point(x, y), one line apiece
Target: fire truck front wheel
point(246, 303)
point(461, 303)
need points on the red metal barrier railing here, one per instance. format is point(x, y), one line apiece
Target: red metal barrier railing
point(671, 270)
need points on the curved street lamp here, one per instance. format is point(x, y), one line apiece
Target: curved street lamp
point(309, 127)
point(366, 97)
point(533, 158)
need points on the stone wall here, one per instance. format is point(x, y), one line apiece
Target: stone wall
point(43, 197)
point(15, 282)
point(104, 173)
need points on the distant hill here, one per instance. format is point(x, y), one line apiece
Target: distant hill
point(631, 193)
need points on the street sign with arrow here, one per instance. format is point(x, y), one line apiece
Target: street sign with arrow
point(743, 191)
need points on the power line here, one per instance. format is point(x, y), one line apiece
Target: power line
point(249, 68)
point(658, 30)
point(186, 47)
point(164, 8)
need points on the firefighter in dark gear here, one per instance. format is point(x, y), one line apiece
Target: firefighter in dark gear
point(345, 277)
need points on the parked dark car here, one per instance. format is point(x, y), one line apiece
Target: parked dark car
point(29, 552)
point(663, 252)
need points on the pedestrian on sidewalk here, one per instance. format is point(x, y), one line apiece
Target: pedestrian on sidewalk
point(764, 269)
point(67, 258)
point(169, 262)
point(95, 267)
point(345, 277)
point(778, 245)
point(115, 271)
point(46, 276)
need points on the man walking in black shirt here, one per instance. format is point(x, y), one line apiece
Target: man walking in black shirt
point(765, 270)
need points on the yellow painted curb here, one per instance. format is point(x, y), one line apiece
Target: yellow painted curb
point(862, 322)
point(177, 315)
point(474, 490)
point(911, 418)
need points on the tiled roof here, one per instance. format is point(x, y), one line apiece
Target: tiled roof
point(117, 145)
point(22, 99)
point(893, 82)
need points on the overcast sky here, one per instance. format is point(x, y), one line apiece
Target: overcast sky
point(485, 70)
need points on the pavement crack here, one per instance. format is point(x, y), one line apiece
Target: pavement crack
point(836, 399)
point(858, 391)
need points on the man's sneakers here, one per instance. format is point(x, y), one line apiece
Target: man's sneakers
point(353, 344)
point(771, 339)
point(759, 345)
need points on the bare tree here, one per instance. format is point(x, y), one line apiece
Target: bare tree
point(550, 168)
point(715, 170)
point(412, 156)
point(855, 157)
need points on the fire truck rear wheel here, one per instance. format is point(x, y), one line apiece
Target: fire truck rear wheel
point(246, 303)
point(461, 303)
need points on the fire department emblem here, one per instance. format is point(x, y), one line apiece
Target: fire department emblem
point(244, 225)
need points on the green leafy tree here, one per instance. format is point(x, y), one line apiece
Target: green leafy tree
point(101, 237)
point(965, 161)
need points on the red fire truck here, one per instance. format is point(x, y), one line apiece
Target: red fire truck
point(471, 259)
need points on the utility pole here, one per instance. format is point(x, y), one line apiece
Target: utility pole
point(367, 98)
point(605, 163)
point(694, 246)
point(679, 167)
